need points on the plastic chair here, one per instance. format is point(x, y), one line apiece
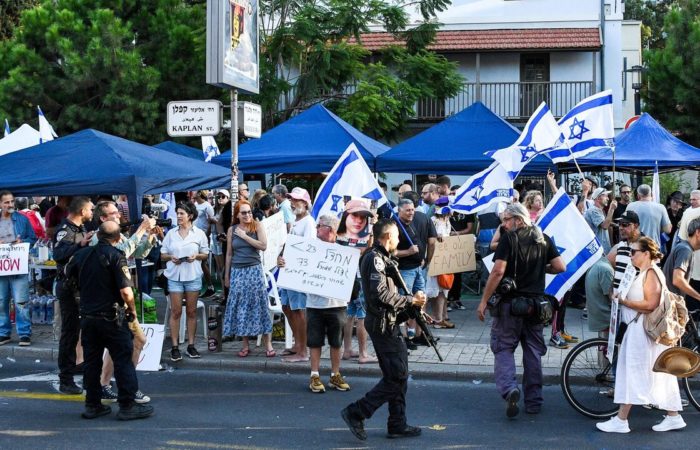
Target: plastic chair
point(275, 308)
point(183, 319)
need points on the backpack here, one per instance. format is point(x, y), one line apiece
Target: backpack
point(666, 324)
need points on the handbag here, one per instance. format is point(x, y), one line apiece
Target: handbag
point(544, 308)
point(522, 307)
point(446, 280)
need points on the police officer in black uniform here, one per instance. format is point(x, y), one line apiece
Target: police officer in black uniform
point(386, 309)
point(70, 237)
point(106, 304)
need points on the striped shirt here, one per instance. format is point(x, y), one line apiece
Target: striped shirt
point(623, 258)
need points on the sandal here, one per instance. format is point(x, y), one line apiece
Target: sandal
point(288, 352)
point(271, 353)
point(244, 352)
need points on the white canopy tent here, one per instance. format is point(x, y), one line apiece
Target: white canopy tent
point(23, 137)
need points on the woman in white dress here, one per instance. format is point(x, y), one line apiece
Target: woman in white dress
point(635, 381)
point(437, 295)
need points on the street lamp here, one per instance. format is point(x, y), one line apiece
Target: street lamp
point(636, 72)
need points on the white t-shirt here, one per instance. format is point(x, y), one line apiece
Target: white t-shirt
point(305, 227)
point(195, 242)
point(204, 212)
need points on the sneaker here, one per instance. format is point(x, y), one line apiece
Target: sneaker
point(135, 411)
point(93, 412)
point(459, 305)
point(316, 385)
point(70, 389)
point(408, 431)
point(208, 293)
point(338, 382)
point(512, 400)
point(670, 423)
point(614, 425)
point(584, 315)
point(175, 354)
point(4, 340)
point(568, 337)
point(25, 341)
point(192, 352)
point(141, 398)
point(355, 424)
point(558, 342)
point(449, 308)
point(108, 395)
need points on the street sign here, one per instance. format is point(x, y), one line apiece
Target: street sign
point(631, 120)
point(194, 118)
point(250, 119)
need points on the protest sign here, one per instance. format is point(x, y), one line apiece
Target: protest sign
point(276, 233)
point(14, 259)
point(317, 267)
point(622, 290)
point(152, 351)
point(454, 254)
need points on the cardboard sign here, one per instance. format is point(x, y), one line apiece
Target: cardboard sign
point(14, 259)
point(153, 350)
point(320, 268)
point(276, 233)
point(454, 254)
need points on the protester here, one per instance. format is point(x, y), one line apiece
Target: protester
point(69, 238)
point(243, 192)
point(55, 215)
point(437, 295)
point(653, 218)
point(15, 228)
point(279, 192)
point(620, 255)
point(385, 211)
point(675, 206)
point(45, 203)
point(205, 218)
point(598, 287)
point(218, 235)
point(625, 199)
point(461, 224)
point(35, 220)
point(264, 208)
point(387, 309)
point(443, 185)
point(678, 264)
point(123, 206)
point(255, 201)
point(598, 219)
point(184, 248)
point(326, 318)
point(246, 309)
point(689, 214)
point(635, 381)
point(429, 195)
point(293, 302)
point(106, 287)
point(534, 205)
point(583, 201)
point(524, 254)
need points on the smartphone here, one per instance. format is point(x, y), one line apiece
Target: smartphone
point(184, 259)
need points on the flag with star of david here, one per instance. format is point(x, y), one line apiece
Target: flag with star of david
point(587, 127)
point(540, 135)
point(209, 147)
point(492, 184)
point(350, 176)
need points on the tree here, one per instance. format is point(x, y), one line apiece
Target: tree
point(674, 73)
point(651, 14)
point(10, 11)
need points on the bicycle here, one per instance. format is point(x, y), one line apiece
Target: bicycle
point(588, 382)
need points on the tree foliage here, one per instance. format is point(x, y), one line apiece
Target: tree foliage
point(10, 11)
point(651, 14)
point(674, 73)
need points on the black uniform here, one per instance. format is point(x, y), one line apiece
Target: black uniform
point(386, 309)
point(66, 244)
point(102, 271)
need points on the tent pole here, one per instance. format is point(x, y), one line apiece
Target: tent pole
point(613, 174)
point(234, 150)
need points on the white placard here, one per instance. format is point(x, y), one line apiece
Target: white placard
point(276, 233)
point(320, 268)
point(626, 282)
point(250, 119)
point(194, 118)
point(622, 291)
point(153, 350)
point(14, 259)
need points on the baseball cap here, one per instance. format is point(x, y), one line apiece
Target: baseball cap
point(224, 192)
point(598, 192)
point(358, 206)
point(299, 193)
point(628, 217)
point(592, 179)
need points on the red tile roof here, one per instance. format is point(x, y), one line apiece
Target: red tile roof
point(500, 40)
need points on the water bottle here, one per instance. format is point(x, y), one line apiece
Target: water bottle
point(33, 309)
point(50, 246)
point(44, 304)
point(49, 309)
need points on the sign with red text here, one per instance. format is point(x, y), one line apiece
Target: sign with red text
point(14, 259)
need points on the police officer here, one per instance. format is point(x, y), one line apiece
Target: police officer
point(106, 304)
point(70, 237)
point(386, 309)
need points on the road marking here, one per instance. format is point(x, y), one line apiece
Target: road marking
point(28, 433)
point(42, 396)
point(192, 444)
point(44, 376)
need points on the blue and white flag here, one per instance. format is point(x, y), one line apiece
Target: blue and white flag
point(493, 184)
point(656, 184)
point(169, 199)
point(587, 127)
point(7, 128)
point(350, 176)
point(209, 148)
point(540, 135)
point(579, 249)
point(46, 132)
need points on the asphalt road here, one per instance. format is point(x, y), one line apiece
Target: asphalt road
point(222, 410)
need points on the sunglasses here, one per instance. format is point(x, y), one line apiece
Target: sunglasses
point(245, 213)
point(635, 250)
point(625, 225)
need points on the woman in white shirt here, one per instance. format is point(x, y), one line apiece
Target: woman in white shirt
point(184, 247)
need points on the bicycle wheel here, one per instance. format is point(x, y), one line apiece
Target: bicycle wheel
point(587, 379)
point(691, 385)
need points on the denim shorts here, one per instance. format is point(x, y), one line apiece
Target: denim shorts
point(356, 308)
point(185, 286)
point(414, 279)
point(295, 300)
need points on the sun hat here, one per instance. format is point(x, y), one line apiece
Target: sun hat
point(678, 361)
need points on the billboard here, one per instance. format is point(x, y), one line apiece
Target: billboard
point(233, 58)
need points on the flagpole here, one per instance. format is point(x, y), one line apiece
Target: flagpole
point(613, 174)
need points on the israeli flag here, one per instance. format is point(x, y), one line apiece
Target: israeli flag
point(169, 199)
point(46, 132)
point(349, 176)
point(493, 184)
point(587, 127)
point(7, 128)
point(579, 249)
point(540, 135)
point(209, 148)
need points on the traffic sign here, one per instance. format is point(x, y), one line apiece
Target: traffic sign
point(630, 121)
point(250, 119)
point(194, 118)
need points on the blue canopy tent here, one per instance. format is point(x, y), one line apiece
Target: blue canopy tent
point(456, 146)
point(92, 162)
point(640, 147)
point(181, 149)
point(311, 142)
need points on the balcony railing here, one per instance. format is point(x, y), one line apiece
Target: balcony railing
point(514, 101)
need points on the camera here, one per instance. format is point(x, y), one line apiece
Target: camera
point(506, 286)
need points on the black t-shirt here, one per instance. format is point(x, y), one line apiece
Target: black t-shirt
point(102, 272)
point(619, 211)
point(461, 221)
point(532, 258)
point(420, 230)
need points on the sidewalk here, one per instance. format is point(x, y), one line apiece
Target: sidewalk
point(465, 350)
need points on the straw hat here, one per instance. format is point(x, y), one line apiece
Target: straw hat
point(678, 361)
